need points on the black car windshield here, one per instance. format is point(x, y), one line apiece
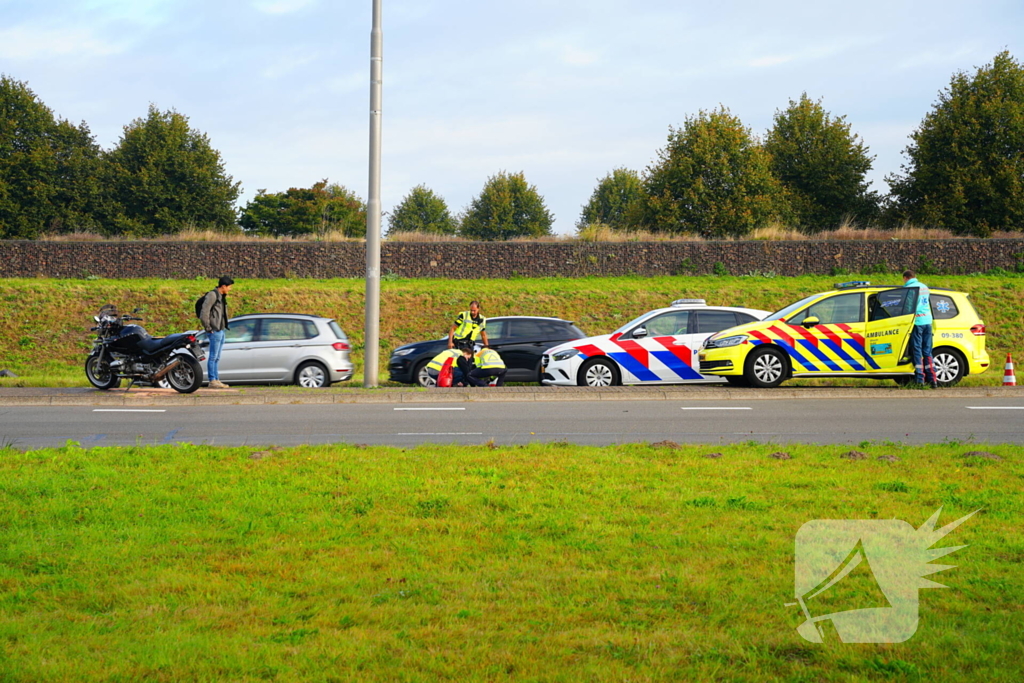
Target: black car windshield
point(792, 308)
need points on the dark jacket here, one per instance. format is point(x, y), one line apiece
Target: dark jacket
point(214, 313)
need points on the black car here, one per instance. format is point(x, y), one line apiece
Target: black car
point(520, 340)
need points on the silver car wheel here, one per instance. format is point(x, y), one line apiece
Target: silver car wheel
point(768, 368)
point(312, 376)
point(599, 375)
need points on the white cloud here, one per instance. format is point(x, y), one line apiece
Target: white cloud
point(282, 6)
point(770, 60)
point(24, 43)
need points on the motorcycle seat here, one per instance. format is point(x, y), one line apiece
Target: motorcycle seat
point(156, 344)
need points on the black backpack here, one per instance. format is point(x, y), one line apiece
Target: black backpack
point(199, 305)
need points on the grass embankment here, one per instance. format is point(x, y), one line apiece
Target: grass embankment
point(539, 563)
point(47, 334)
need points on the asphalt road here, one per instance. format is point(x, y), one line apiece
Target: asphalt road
point(833, 421)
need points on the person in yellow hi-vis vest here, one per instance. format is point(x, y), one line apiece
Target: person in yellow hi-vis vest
point(469, 326)
point(488, 364)
point(435, 365)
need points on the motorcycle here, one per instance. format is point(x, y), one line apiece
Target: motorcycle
point(123, 350)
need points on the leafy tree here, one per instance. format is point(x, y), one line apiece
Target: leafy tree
point(613, 200)
point(507, 207)
point(422, 211)
point(822, 166)
point(163, 177)
point(966, 160)
point(48, 168)
point(318, 210)
point(712, 179)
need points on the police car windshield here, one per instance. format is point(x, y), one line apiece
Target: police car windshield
point(792, 308)
point(633, 323)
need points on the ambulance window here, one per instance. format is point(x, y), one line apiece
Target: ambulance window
point(891, 304)
point(943, 307)
point(709, 322)
point(839, 309)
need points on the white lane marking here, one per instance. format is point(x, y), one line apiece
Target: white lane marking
point(712, 408)
point(440, 434)
point(125, 410)
point(429, 408)
point(995, 407)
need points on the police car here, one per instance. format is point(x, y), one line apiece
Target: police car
point(659, 347)
point(855, 330)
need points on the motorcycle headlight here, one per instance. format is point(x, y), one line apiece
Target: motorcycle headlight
point(725, 342)
point(565, 355)
point(401, 352)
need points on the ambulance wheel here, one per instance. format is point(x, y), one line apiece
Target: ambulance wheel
point(950, 366)
point(598, 372)
point(420, 375)
point(767, 367)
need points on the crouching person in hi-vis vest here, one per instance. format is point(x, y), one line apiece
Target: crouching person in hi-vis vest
point(488, 364)
point(469, 326)
point(435, 365)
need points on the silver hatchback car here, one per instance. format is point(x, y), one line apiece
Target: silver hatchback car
point(283, 348)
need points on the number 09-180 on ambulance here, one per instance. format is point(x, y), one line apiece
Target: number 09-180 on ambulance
point(855, 331)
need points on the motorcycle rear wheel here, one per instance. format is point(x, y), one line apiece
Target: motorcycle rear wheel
point(99, 373)
point(187, 376)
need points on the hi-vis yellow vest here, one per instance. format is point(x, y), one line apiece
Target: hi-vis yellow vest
point(488, 359)
point(466, 328)
point(438, 362)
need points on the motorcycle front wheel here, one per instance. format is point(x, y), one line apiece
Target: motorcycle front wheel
point(99, 373)
point(186, 376)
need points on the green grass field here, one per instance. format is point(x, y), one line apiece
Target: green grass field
point(485, 563)
point(47, 335)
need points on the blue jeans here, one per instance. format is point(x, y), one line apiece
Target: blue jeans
point(216, 345)
point(921, 352)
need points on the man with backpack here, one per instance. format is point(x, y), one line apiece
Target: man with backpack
point(212, 311)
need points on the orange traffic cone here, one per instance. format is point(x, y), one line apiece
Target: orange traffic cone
point(1008, 379)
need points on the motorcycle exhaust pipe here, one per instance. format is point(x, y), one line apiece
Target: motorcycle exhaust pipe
point(159, 375)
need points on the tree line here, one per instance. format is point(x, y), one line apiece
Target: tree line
point(714, 177)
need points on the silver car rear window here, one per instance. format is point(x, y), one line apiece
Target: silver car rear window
point(337, 330)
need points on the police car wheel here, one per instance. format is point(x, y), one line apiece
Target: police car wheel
point(766, 368)
point(422, 377)
point(598, 372)
point(950, 366)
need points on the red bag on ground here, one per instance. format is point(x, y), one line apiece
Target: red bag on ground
point(444, 378)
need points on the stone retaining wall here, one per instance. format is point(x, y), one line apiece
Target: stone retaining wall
point(499, 259)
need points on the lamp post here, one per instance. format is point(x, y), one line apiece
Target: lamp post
point(373, 213)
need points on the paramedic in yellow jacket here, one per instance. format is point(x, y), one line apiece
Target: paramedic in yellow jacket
point(469, 326)
point(488, 364)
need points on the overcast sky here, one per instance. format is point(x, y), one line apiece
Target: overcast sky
point(563, 90)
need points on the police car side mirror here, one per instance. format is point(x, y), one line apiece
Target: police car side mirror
point(810, 322)
point(639, 332)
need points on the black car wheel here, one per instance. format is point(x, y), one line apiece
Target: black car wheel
point(420, 375)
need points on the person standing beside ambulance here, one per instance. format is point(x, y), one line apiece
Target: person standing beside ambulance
point(921, 335)
point(469, 326)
